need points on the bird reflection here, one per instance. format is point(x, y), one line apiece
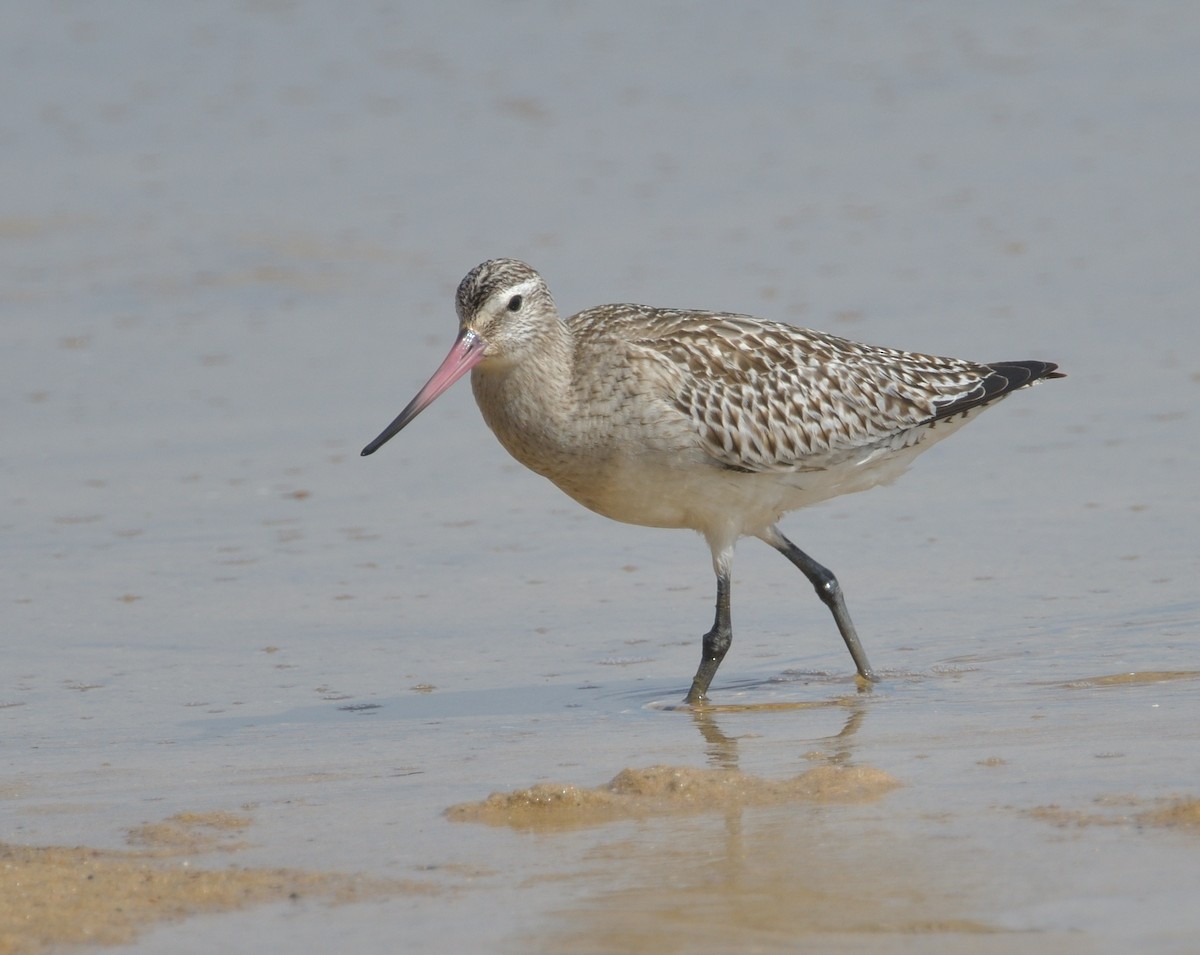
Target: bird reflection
point(721, 748)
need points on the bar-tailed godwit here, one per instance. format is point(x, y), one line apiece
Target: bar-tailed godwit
point(717, 422)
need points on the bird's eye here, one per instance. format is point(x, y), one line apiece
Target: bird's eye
point(514, 303)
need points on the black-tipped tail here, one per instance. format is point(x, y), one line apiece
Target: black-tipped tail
point(1005, 376)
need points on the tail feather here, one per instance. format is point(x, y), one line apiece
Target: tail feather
point(1004, 377)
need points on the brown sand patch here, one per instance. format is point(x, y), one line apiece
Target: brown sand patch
point(1180, 812)
point(1138, 678)
point(1064, 818)
point(659, 790)
point(191, 832)
point(1183, 813)
point(56, 895)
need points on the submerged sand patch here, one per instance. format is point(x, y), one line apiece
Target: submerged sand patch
point(661, 790)
point(58, 895)
point(1174, 813)
point(191, 832)
point(1180, 812)
point(1132, 678)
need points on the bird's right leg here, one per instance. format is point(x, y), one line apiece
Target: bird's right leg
point(716, 643)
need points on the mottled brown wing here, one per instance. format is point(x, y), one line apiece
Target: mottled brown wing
point(771, 397)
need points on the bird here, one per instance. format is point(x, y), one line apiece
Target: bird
point(718, 422)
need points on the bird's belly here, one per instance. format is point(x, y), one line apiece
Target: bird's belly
point(649, 497)
point(656, 491)
point(701, 497)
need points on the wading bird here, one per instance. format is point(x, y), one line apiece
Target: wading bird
point(718, 422)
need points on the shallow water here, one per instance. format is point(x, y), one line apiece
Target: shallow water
point(231, 238)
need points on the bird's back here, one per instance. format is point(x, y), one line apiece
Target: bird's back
point(767, 397)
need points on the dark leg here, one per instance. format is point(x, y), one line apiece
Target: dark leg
point(830, 592)
point(716, 644)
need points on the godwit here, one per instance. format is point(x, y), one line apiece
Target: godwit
point(721, 423)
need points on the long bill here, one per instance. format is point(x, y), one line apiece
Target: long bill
point(465, 355)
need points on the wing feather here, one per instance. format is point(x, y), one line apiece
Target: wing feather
point(764, 396)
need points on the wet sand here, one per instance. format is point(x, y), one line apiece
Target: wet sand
point(662, 790)
point(51, 896)
point(271, 695)
point(743, 878)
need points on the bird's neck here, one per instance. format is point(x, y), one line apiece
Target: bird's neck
point(530, 403)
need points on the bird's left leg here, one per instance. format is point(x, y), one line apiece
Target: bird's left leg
point(830, 592)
